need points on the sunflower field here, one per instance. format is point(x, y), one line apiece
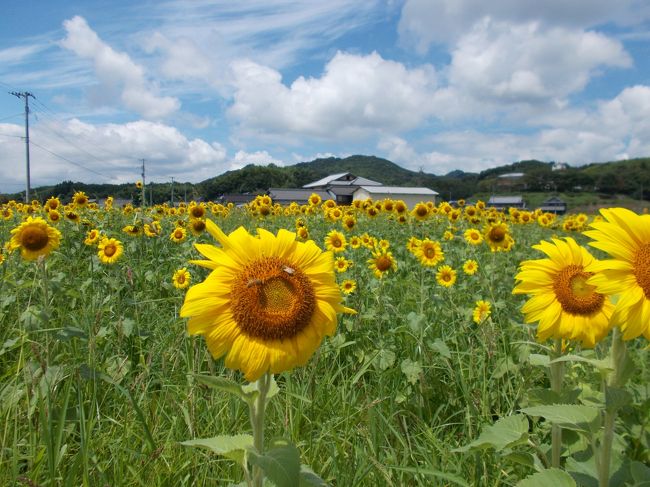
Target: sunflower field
point(317, 344)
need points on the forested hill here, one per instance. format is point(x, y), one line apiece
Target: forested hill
point(258, 178)
point(630, 177)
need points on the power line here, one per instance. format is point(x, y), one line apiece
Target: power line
point(11, 135)
point(51, 114)
point(64, 138)
point(11, 116)
point(7, 86)
point(71, 161)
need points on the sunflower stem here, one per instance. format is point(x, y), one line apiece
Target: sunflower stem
point(257, 409)
point(557, 376)
point(618, 352)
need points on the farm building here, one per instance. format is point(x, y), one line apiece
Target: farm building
point(236, 198)
point(505, 202)
point(341, 186)
point(341, 179)
point(554, 205)
point(286, 196)
point(410, 196)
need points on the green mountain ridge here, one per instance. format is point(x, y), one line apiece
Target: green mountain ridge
point(629, 177)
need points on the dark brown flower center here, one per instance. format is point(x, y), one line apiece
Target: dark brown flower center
point(110, 249)
point(642, 268)
point(34, 238)
point(574, 294)
point(497, 234)
point(272, 299)
point(383, 263)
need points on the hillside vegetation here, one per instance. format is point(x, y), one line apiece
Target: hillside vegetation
point(628, 177)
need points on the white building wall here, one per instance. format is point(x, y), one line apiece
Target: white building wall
point(410, 199)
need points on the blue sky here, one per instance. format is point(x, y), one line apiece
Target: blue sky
point(200, 87)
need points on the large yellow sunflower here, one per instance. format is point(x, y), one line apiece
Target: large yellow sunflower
point(109, 250)
point(625, 236)
point(181, 278)
point(314, 199)
point(497, 236)
point(80, 199)
point(335, 241)
point(473, 236)
point(34, 237)
point(446, 276)
point(429, 252)
point(563, 301)
point(268, 302)
point(481, 312)
point(381, 262)
point(421, 211)
point(178, 235)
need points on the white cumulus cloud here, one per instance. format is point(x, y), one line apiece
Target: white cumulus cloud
point(119, 76)
point(79, 151)
point(356, 96)
point(259, 158)
point(527, 63)
point(427, 22)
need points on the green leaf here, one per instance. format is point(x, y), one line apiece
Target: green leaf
point(541, 396)
point(501, 434)
point(616, 398)
point(70, 332)
point(309, 479)
point(582, 467)
point(504, 366)
point(411, 370)
point(281, 464)
point(252, 389)
point(521, 458)
point(433, 473)
point(126, 326)
point(221, 384)
point(640, 473)
point(604, 365)
point(385, 359)
point(415, 321)
point(10, 345)
point(539, 359)
point(571, 416)
point(233, 447)
point(551, 476)
point(441, 347)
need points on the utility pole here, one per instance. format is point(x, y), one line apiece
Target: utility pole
point(144, 201)
point(172, 191)
point(25, 95)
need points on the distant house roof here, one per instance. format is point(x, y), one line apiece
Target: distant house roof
point(554, 200)
point(342, 179)
point(505, 200)
point(237, 198)
point(511, 175)
point(559, 166)
point(301, 196)
point(342, 190)
point(397, 190)
point(553, 205)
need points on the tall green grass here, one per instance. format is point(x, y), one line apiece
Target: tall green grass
point(96, 368)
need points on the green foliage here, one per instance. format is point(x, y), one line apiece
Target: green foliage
point(593, 181)
point(545, 478)
point(100, 383)
point(502, 434)
point(233, 447)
